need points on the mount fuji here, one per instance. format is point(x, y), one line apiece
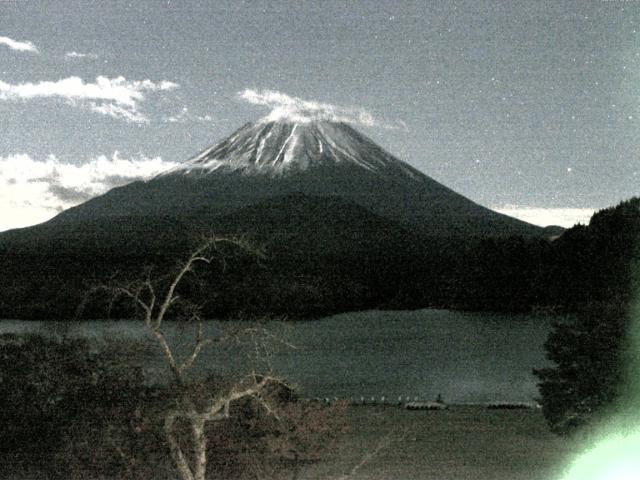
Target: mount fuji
point(346, 226)
point(268, 159)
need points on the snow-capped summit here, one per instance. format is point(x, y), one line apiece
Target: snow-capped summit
point(276, 148)
point(314, 157)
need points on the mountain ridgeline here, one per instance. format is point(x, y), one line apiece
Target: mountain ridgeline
point(345, 224)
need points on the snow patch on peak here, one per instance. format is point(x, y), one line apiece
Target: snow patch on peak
point(281, 148)
point(285, 145)
point(292, 141)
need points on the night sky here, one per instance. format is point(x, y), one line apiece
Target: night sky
point(528, 107)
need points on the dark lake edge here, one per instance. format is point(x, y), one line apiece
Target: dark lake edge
point(464, 357)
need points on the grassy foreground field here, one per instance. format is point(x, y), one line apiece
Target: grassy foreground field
point(464, 442)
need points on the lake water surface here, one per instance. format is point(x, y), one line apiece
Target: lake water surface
point(465, 357)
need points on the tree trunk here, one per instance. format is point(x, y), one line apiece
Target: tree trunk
point(199, 449)
point(177, 455)
point(296, 466)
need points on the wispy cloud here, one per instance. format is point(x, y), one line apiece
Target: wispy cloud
point(120, 112)
point(285, 107)
point(564, 217)
point(184, 116)
point(32, 191)
point(74, 54)
point(19, 46)
point(116, 97)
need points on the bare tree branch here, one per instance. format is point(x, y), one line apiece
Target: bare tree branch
point(200, 345)
point(154, 299)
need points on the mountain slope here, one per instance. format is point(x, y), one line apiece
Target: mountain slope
point(324, 254)
point(268, 159)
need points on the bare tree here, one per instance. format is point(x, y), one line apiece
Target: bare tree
point(304, 431)
point(155, 301)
